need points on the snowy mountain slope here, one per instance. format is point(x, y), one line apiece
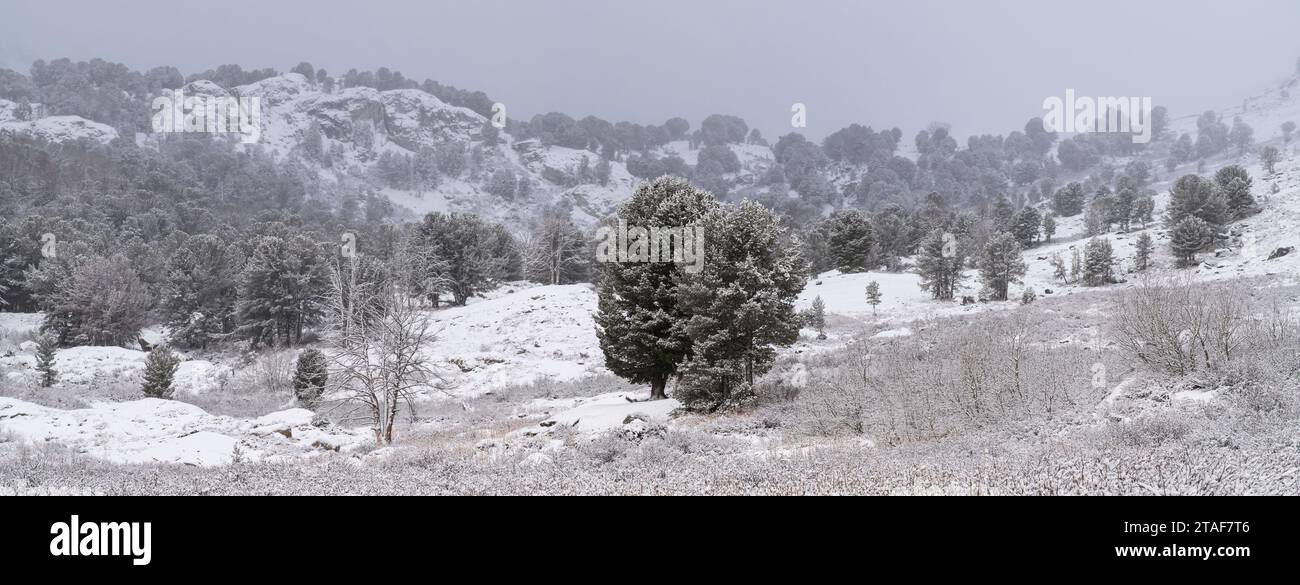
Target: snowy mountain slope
point(359, 124)
point(56, 129)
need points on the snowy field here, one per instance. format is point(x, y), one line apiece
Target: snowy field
point(530, 408)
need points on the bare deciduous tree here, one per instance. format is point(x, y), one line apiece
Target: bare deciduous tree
point(379, 335)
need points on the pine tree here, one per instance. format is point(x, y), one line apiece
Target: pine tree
point(1076, 266)
point(1000, 264)
point(310, 377)
point(46, 347)
point(640, 322)
point(200, 293)
point(817, 317)
point(873, 295)
point(741, 305)
point(1121, 213)
point(940, 262)
point(1234, 183)
point(850, 239)
point(159, 371)
point(459, 254)
point(280, 287)
point(1003, 214)
point(1026, 226)
point(1192, 196)
point(1187, 238)
point(1143, 210)
point(1069, 200)
point(1099, 263)
point(1049, 227)
point(1142, 256)
point(91, 300)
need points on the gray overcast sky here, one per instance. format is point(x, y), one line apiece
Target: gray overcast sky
point(983, 66)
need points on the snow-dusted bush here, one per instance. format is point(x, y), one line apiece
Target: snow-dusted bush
point(950, 377)
point(1146, 431)
point(1177, 327)
point(272, 370)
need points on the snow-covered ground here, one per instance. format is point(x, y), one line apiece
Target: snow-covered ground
point(520, 334)
point(153, 430)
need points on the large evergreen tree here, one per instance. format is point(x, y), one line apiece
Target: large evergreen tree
point(741, 305)
point(1192, 196)
point(459, 254)
point(94, 300)
point(640, 322)
point(1069, 200)
point(201, 291)
point(1234, 183)
point(280, 289)
point(1026, 226)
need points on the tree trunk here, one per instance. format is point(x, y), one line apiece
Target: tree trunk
point(657, 386)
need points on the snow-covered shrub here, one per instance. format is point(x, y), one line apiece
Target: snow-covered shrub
point(310, 377)
point(1146, 431)
point(1177, 327)
point(272, 371)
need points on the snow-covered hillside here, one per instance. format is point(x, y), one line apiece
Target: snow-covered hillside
point(55, 129)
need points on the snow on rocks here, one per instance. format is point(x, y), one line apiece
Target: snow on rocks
point(199, 376)
point(59, 129)
point(611, 411)
point(587, 418)
point(153, 430)
point(1194, 396)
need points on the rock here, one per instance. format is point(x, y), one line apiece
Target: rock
point(319, 444)
point(1280, 252)
point(547, 423)
point(28, 346)
point(1047, 291)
